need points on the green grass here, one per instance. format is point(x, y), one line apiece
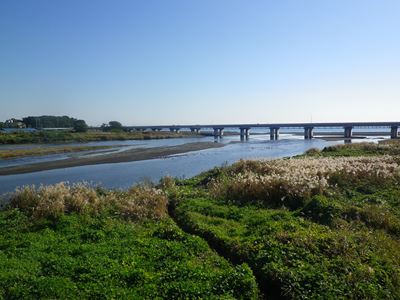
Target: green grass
point(73, 241)
point(295, 257)
point(82, 256)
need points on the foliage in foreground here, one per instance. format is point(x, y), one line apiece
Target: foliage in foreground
point(75, 242)
point(310, 228)
point(85, 257)
point(296, 258)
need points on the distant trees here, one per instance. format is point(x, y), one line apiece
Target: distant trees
point(2, 125)
point(112, 126)
point(115, 125)
point(14, 123)
point(80, 126)
point(49, 122)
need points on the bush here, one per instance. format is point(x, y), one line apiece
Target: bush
point(313, 152)
point(322, 210)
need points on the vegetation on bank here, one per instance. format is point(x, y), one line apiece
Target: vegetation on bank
point(77, 242)
point(384, 147)
point(309, 228)
point(90, 136)
point(325, 225)
point(14, 153)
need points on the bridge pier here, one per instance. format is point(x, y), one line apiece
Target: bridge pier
point(218, 132)
point(196, 130)
point(308, 133)
point(274, 133)
point(174, 129)
point(244, 133)
point(394, 132)
point(348, 132)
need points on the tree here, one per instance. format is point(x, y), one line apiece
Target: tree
point(2, 125)
point(115, 125)
point(80, 126)
point(112, 126)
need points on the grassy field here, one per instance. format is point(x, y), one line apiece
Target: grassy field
point(74, 242)
point(325, 225)
point(309, 228)
point(8, 154)
point(66, 136)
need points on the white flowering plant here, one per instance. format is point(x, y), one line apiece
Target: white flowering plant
point(289, 182)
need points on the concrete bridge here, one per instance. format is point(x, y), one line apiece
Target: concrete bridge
point(218, 130)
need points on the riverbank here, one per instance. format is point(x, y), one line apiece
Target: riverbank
point(322, 225)
point(45, 137)
point(124, 156)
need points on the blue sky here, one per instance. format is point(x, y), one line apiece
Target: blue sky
point(201, 61)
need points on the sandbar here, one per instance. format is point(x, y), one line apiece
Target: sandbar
point(119, 157)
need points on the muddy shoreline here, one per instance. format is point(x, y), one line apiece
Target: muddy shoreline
point(126, 156)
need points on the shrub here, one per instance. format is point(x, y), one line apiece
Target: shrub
point(321, 209)
point(313, 152)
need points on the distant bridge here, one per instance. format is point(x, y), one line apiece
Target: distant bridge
point(275, 127)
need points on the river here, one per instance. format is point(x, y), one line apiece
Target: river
point(124, 175)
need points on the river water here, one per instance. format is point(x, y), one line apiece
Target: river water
point(124, 175)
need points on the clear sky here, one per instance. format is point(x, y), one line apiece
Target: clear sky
point(201, 61)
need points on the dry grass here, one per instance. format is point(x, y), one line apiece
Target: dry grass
point(277, 182)
point(140, 202)
point(391, 142)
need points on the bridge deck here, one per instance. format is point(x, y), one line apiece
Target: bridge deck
point(275, 125)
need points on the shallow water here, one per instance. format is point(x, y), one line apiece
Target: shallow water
point(123, 175)
point(118, 146)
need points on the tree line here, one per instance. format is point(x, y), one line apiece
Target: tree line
point(40, 122)
point(49, 122)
